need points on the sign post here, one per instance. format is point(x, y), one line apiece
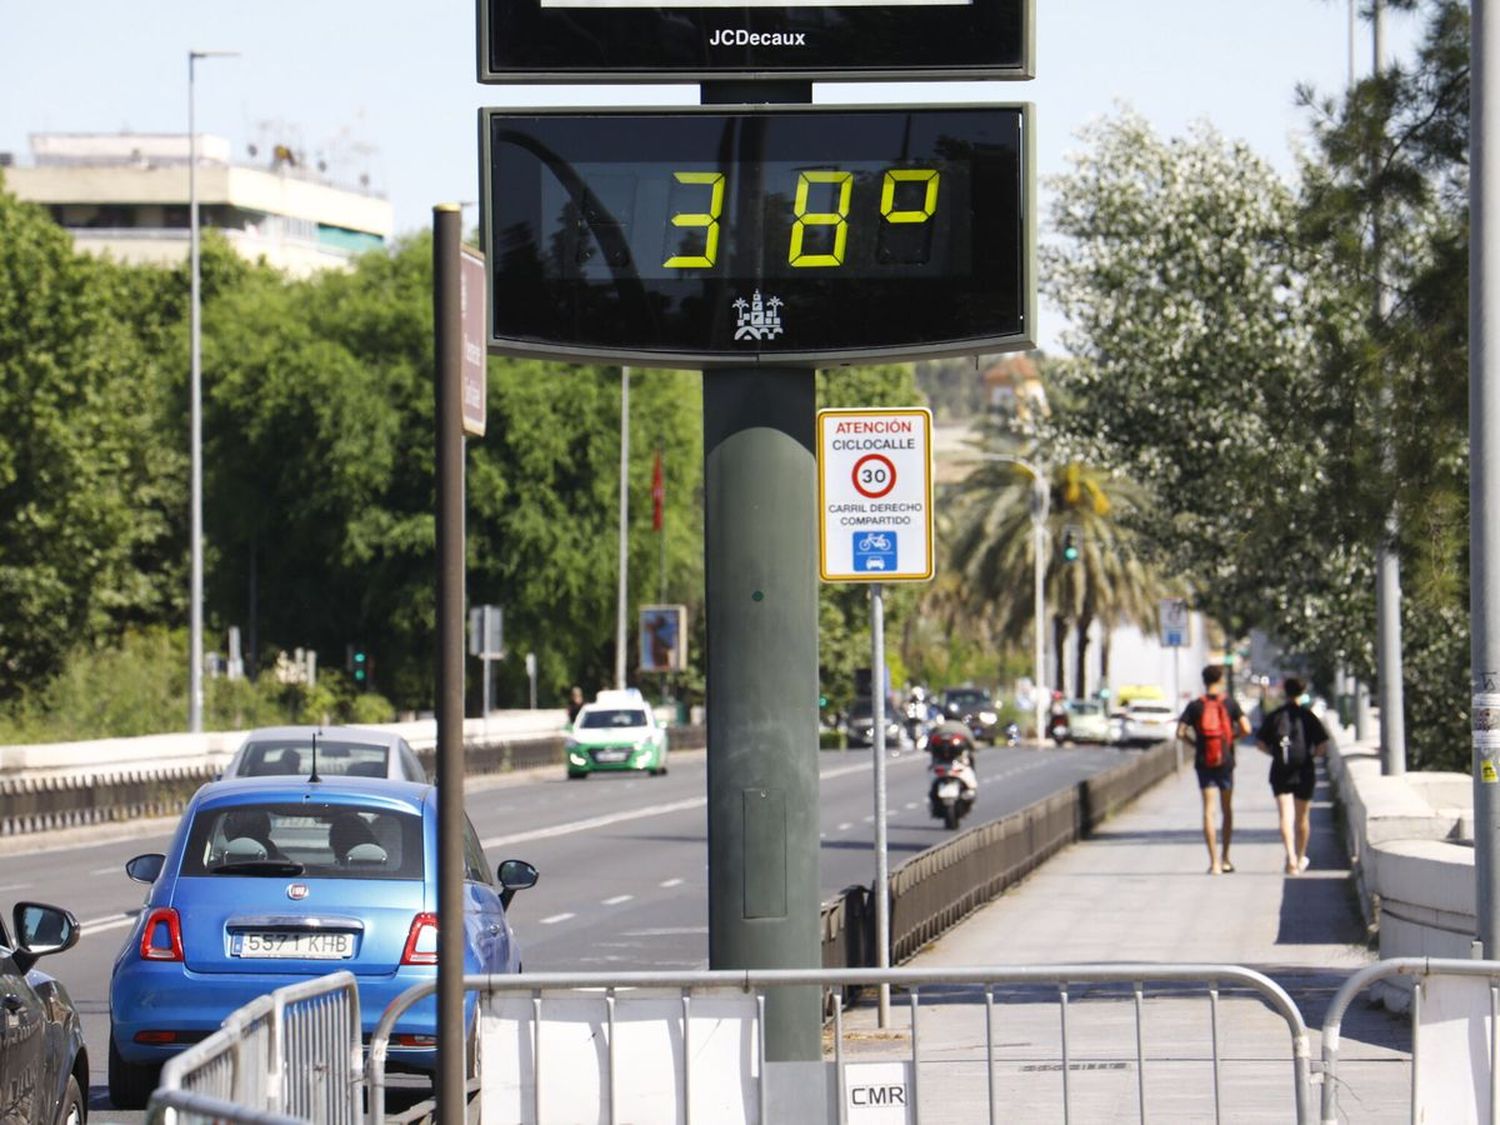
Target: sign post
point(875, 525)
point(1173, 616)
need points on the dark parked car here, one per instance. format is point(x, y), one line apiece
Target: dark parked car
point(44, 1067)
point(974, 708)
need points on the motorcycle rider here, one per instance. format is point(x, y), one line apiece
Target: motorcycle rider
point(950, 746)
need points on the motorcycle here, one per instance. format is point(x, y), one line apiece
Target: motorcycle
point(954, 783)
point(1012, 735)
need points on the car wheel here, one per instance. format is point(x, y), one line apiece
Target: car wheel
point(130, 1084)
point(577, 776)
point(950, 817)
point(71, 1111)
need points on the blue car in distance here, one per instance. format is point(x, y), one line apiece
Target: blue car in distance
point(273, 880)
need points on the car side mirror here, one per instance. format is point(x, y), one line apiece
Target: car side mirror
point(515, 875)
point(40, 930)
point(145, 868)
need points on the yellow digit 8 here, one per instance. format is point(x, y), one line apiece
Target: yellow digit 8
point(708, 220)
point(839, 219)
point(896, 176)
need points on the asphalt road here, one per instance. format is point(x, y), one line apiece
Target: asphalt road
point(623, 862)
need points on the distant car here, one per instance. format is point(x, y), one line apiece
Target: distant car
point(1088, 721)
point(44, 1066)
point(1146, 724)
point(342, 751)
point(616, 732)
point(271, 881)
point(973, 707)
point(859, 730)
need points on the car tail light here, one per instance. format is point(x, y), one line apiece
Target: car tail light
point(156, 1037)
point(161, 937)
point(939, 770)
point(421, 941)
point(413, 1040)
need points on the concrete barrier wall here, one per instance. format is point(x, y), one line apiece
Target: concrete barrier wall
point(1410, 842)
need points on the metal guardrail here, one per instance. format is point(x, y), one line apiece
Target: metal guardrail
point(295, 1051)
point(1420, 968)
point(41, 804)
point(934, 890)
point(1213, 978)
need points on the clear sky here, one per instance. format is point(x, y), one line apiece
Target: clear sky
point(386, 87)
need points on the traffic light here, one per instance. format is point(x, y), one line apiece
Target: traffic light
point(1070, 546)
point(359, 665)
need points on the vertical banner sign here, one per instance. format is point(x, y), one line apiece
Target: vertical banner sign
point(472, 305)
point(1173, 613)
point(663, 636)
point(875, 495)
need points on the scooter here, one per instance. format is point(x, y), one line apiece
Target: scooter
point(954, 783)
point(1012, 735)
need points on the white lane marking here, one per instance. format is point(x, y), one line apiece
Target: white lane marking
point(108, 922)
point(19, 886)
point(870, 819)
point(911, 804)
point(666, 931)
point(594, 822)
point(617, 900)
point(112, 869)
point(845, 826)
point(555, 918)
point(670, 883)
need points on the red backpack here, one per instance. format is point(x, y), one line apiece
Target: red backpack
point(1214, 734)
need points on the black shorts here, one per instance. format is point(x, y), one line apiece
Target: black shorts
point(1299, 781)
point(1215, 777)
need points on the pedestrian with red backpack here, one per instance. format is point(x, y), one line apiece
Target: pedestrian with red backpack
point(1213, 722)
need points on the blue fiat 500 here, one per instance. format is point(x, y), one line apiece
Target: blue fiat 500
point(270, 881)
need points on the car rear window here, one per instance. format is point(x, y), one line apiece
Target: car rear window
point(328, 841)
point(968, 697)
point(355, 759)
point(1153, 710)
point(603, 720)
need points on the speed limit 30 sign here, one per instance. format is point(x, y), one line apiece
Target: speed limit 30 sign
point(875, 495)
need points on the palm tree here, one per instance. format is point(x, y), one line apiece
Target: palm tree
point(991, 548)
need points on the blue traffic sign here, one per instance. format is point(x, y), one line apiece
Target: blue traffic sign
point(874, 551)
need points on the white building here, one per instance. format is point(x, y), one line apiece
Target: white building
point(126, 194)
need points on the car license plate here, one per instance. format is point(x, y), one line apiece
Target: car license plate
point(298, 946)
point(610, 755)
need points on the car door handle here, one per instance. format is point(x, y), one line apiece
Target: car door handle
point(12, 1002)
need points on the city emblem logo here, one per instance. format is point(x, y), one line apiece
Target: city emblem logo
point(297, 891)
point(758, 320)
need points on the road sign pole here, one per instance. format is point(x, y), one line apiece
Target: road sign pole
point(448, 1082)
point(882, 862)
point(760, 562)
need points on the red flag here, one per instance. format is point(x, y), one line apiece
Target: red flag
point(658, 493)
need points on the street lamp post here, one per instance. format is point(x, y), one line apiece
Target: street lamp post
point(1040, 502)
point(195, 410)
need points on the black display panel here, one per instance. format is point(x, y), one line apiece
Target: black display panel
point(710, 236)
point(618, 40)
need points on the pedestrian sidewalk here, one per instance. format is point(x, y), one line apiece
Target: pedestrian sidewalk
point(1138, 890)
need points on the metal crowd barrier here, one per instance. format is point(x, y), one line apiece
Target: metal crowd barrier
point(181, 1107)
point(1420, 968)
point(297, 1051)
point(1212, 977)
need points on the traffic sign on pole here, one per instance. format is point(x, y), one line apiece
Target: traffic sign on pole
point(1173, 613)
point(875, 495)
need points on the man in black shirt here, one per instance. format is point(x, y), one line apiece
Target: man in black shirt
point(1212, 722)
point(1295, 739)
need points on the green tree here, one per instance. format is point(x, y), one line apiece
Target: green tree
point(85, 486)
